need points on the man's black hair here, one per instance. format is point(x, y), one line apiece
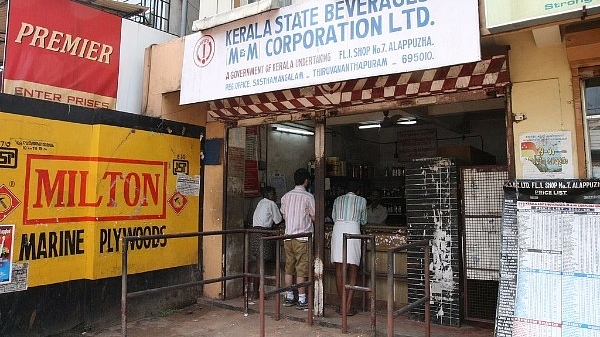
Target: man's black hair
point(352, 186)
point(300, 176)
point(267, 189)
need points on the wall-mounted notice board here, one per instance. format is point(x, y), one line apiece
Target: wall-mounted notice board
point(550, 259)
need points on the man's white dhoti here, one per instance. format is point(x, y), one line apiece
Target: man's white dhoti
point(337, 242)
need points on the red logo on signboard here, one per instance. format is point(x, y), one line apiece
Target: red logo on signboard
point(204, 51)
point(178, 201)
point(8, 202)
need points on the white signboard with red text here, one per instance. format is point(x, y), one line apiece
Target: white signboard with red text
point(63, 51)
point(325, 41)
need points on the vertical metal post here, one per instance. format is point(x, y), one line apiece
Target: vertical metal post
point(278, 279)
point(427, 292)
point(319, 228)
point(246, 284)
point(363, 270)
point(373, 287)
point(344, 293)
point(390, 293)
point(184, 12)
point(261, 304)
point(310, 287)
point(124, 289)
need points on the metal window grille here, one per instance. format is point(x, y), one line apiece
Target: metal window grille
point(482, 194)
point(157, 16)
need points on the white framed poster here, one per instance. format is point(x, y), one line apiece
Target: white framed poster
point(547, 155)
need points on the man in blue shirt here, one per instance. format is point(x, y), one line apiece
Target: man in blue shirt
point(349, 213)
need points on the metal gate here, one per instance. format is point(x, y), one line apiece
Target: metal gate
point(482, 199)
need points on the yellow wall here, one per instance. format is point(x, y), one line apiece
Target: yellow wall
point(213, 215)
point(82, 187)
point(541, 89)
point(163, 75)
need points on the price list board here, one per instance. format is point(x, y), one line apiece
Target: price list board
point(550, 259)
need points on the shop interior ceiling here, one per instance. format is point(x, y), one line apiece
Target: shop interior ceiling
point(450, 116)
point(119, 8)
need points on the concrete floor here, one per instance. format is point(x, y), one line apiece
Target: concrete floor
point(210, 318)
point(360, 323)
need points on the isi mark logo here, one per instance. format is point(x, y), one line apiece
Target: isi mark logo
point(204, 50)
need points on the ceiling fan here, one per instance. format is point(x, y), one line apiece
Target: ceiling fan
point(389, 121)
point(401, 118)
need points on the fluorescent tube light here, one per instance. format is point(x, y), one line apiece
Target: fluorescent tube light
point(294, 131)
point(369, 126)
point(407, 121)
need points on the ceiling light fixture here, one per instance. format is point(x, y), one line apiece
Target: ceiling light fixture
point(293, 130)
point(407, 121)
point(369, 126)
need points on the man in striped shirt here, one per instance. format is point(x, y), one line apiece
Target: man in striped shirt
point(349, 213)
point(298, 210)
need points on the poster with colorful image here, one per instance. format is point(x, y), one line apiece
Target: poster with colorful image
point(6, 248)
point(547, 155)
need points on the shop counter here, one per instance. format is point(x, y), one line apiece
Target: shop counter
point(386, 237)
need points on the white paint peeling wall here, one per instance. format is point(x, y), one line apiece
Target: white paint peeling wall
point(442, 283)
point(441, 269)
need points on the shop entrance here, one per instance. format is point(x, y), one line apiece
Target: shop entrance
point(427, 119)
point(475, 140)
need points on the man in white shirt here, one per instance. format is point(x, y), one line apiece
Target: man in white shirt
point(265, 216)
point(376, 212)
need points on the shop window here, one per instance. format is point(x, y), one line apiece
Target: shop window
point(591, 95)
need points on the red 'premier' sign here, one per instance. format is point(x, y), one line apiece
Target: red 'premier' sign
point(62, 51)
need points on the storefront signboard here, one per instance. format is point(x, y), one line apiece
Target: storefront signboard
point(66, 52)
point(51, 55)
point(505, 15)
point(318, 42)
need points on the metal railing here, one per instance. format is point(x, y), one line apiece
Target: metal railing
point(245, 275)
point(157, 15)
point(278, 289)
point(127, 239)
point(391, 314)
point(363, 288)
point(248, 274)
